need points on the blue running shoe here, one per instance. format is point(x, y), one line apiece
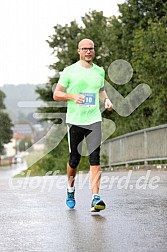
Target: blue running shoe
point(97, 204)
point(70, 200)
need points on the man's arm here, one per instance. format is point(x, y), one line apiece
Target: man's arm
point(61, 95)
point(104, 98)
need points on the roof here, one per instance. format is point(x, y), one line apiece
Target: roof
point(22, 130)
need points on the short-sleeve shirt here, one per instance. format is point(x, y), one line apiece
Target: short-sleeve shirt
point(87, 81)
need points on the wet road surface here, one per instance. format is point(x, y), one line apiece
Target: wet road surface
point(34, 217)
point(10, 171)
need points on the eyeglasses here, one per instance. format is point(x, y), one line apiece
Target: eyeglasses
point(84, 49)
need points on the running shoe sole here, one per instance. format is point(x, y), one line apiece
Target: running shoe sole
point(100, 205)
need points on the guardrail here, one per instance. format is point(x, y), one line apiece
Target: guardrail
point(145, 145)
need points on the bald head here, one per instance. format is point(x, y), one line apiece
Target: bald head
point(85, 41)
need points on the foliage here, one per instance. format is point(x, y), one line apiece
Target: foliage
point(150, 63)
point(5, 124)
point(25, 143)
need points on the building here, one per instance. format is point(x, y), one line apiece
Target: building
point(21, 131)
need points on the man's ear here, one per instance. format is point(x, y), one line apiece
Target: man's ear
point(78, 51)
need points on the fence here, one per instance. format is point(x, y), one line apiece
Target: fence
point(140, 146)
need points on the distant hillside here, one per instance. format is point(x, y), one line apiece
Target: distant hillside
point(16, 93)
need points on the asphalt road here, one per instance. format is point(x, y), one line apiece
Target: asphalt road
point(34, 217)
point(7, 172)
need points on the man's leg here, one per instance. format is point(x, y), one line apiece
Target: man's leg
point(75, 136)
point(71, 173)
point(70, 199)
point(93, 143)
point(95, 176)
point(93, 139)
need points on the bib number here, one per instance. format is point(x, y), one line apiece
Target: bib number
point(89, 99)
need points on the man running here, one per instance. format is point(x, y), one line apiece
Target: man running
point(82, 86)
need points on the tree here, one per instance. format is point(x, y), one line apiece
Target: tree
point(150, 62)
point(134, 38)
point(135, 14)
point(25, 143)
point(5, 124)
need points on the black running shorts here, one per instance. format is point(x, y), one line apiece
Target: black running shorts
point(76, 135)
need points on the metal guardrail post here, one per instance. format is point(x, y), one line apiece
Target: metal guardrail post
point(145, 147)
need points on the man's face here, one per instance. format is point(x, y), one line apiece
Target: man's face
point(86, 51)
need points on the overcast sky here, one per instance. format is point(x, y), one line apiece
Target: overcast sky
point(26, 24)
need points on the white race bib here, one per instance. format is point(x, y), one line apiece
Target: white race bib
point(89, 99)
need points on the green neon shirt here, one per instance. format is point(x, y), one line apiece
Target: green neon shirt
point(77, 79)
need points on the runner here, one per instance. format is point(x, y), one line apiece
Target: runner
point(82, 86)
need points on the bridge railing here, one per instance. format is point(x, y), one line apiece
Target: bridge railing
point(145, 145)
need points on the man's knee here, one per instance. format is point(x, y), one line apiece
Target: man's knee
point(74, 162)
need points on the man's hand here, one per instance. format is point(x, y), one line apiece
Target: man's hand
point(108, 104)
point(78, 98)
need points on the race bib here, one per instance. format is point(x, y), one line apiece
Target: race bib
point(89, 99)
